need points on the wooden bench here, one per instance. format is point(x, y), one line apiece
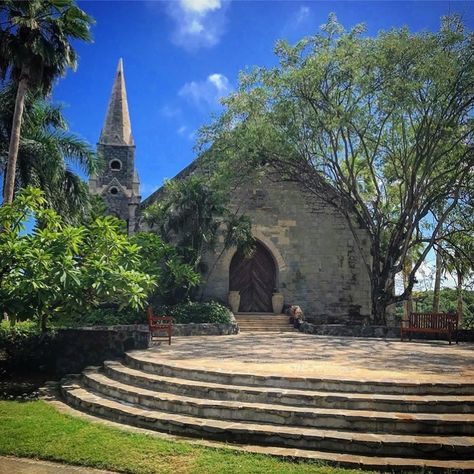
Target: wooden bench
point(159, 324)
point(431, 323)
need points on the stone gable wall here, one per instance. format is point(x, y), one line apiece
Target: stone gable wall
point(319, 264)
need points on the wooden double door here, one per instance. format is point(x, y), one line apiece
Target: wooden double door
point(255, 278)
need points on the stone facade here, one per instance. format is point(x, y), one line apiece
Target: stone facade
point(318, 264)
point(118, 183)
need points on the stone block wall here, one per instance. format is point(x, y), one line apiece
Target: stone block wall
point(319, 265)
point(77, 348)
point(124, 179)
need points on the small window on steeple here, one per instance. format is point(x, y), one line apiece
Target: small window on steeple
point(113, 190)
point(115, 165)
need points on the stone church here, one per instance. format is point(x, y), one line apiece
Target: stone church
point(306, 252)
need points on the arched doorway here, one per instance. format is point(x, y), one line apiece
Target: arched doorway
point(255, 278)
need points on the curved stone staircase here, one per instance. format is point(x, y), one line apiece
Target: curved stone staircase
point(369, 424)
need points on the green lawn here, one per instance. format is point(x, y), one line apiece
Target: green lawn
point(36, 429)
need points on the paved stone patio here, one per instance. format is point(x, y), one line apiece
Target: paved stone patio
point(308, 355)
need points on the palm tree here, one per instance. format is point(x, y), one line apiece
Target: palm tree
point(35, 49)
point(47, 153)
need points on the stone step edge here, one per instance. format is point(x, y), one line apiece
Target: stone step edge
point(263, 325)
point(417, 399)
point(265, 330)
point(348, 415)
point(293, 454)
point(263, 320)
point(269, 326)
point(367, 386)
point(425, 444)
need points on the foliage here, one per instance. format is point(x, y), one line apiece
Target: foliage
point(46, 152)
point(194, 312)
point(193, 214)
point(102, 316)
point(38, 430)
point(35, 49)
point(183, 313)
point(379, 128)
point(35, 39)
point(174, 279)
point(58, 268)
point(25, 347)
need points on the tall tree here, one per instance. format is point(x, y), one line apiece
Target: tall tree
point(379, 128)
point(35, 49)
point(47, 153)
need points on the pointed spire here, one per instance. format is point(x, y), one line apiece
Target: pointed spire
point(117, 129)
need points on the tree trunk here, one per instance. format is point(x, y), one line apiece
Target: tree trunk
point(408, 303)
point(437, 282)
point(379, 308)
point(15, 141)
point(43, 323)
point(379, 297)
point(460, 303)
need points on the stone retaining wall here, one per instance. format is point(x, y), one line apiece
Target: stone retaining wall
point(342, 330)
point(77, 348)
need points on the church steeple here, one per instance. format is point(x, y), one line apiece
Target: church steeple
point(117, 182)
point(117, 128)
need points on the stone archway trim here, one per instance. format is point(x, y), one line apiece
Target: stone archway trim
point(280, 262)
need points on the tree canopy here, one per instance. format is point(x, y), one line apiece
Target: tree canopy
point(380, 128)
point(35, 49)
point(59, 268)
point(48, 154)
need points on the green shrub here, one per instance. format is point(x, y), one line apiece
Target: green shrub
point(25, 347)
point(193, 312)
point(57, 268)
point(183, 313)
point(103, 317)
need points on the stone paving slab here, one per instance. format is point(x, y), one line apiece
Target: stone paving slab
point(307, 355)
point(12, 465)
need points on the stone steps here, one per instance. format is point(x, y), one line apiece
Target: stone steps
point(266, 329)
point(145, 364)
point(314, 399)
point(263, 322)
point(324, 418)
point(372, 424)
point(453, 448)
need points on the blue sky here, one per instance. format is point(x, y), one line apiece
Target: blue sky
point(181, 56)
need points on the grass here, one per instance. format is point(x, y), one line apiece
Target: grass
point(36, 430)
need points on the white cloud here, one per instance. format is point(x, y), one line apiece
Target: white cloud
point(185, 131)
point(207, 92)
point(302, 15)
point(200, 6)
point(198, 23)
point(298, 20)
point(170, 111)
